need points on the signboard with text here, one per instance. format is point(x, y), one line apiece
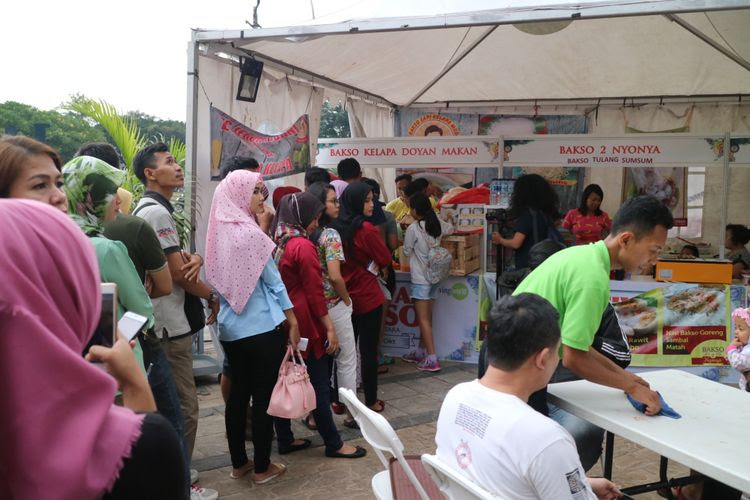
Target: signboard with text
point(454, 319)
point(680, 325)
point(278, 155)
point(639, 151)
point(408, 151)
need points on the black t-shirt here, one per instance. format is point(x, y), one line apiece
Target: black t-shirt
point(140, 239)
point(524, 224)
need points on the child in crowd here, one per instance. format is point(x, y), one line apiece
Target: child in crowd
point(420, 237)
point(738, 351)
point(689, 252)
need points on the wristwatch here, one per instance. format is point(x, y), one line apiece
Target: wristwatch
point(212, 297)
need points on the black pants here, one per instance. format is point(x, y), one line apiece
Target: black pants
point(156, 468)
point(367, 333)
point(255, 365)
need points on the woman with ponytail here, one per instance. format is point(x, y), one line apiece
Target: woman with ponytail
point(421, 236)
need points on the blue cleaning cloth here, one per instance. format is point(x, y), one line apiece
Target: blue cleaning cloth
point(666, 410)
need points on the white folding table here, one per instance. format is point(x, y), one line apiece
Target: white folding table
point(712, 437)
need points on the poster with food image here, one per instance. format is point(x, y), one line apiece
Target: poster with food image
point(680, 325)
point(417, 123)
point(638, 318)
point(667, 184)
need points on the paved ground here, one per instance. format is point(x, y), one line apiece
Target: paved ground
point(412, 403)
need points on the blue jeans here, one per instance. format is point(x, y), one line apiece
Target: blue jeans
point(587, 436)
point(165, 395)
point(319, 372)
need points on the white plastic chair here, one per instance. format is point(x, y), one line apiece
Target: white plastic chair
point(452, 484)
point(381, 436)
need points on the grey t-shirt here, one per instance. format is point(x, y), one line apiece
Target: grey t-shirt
point(169, 311)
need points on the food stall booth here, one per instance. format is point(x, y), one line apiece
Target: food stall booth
point(669, 322)
point(398, 77)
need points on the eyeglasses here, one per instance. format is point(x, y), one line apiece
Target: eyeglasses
point(335, 201)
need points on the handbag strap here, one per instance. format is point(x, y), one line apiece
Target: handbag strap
point(301, 359)
point(534, 228)
point(287, 355)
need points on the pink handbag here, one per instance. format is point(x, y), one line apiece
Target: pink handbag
point(293, 395)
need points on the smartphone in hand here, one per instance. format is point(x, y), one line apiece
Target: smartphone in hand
point(130, 324)
point(105, 332)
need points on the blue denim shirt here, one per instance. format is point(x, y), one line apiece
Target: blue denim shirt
point(263, 311)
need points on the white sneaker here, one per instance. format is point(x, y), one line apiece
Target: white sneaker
point(193, 476)
point(198, 493)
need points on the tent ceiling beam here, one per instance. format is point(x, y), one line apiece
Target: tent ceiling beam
point(707, 39)
point(593, 101)
point(215, 48)
point(592, 10)
point(452, 64)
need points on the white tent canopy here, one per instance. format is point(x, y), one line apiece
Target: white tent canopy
point(602, 50)
point(692, 56)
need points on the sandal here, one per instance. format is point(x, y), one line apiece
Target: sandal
point(358, 453)
point(378, 402)
point(281, 469)
point(306, 423)
point(351, 424)
point(243, 470)
point(385, 360)
point(338, 408)
point(290, 448)
point(382, 369)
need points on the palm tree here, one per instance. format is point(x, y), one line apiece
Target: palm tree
point(129, 140)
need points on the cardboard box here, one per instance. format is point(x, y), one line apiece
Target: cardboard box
point(694, 271)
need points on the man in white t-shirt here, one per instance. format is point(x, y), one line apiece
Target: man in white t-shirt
point(488, 432)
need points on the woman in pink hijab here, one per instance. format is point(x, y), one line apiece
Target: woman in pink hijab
point(62, 437)
point(253, 306)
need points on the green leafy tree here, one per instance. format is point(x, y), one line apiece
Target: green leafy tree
point(154, 128)
point(64, 131)
point(334, 122)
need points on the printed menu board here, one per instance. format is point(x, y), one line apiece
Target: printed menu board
point(680, 325)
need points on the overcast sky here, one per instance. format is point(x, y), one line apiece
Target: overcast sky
point(133, 54)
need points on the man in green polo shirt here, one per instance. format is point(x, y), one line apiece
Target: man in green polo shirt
point(576, 282)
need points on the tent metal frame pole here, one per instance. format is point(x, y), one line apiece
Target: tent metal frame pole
point(452, 64)
point(724, 194)
point(708, 40)
point(191, 134)
point(489, 17)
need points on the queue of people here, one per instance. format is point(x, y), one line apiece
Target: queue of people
point(312, 272)
point(312, 268)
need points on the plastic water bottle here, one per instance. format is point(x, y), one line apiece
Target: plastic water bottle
point(495, 187)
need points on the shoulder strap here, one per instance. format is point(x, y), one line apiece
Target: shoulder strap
point(535, 231)
point(141, 207)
